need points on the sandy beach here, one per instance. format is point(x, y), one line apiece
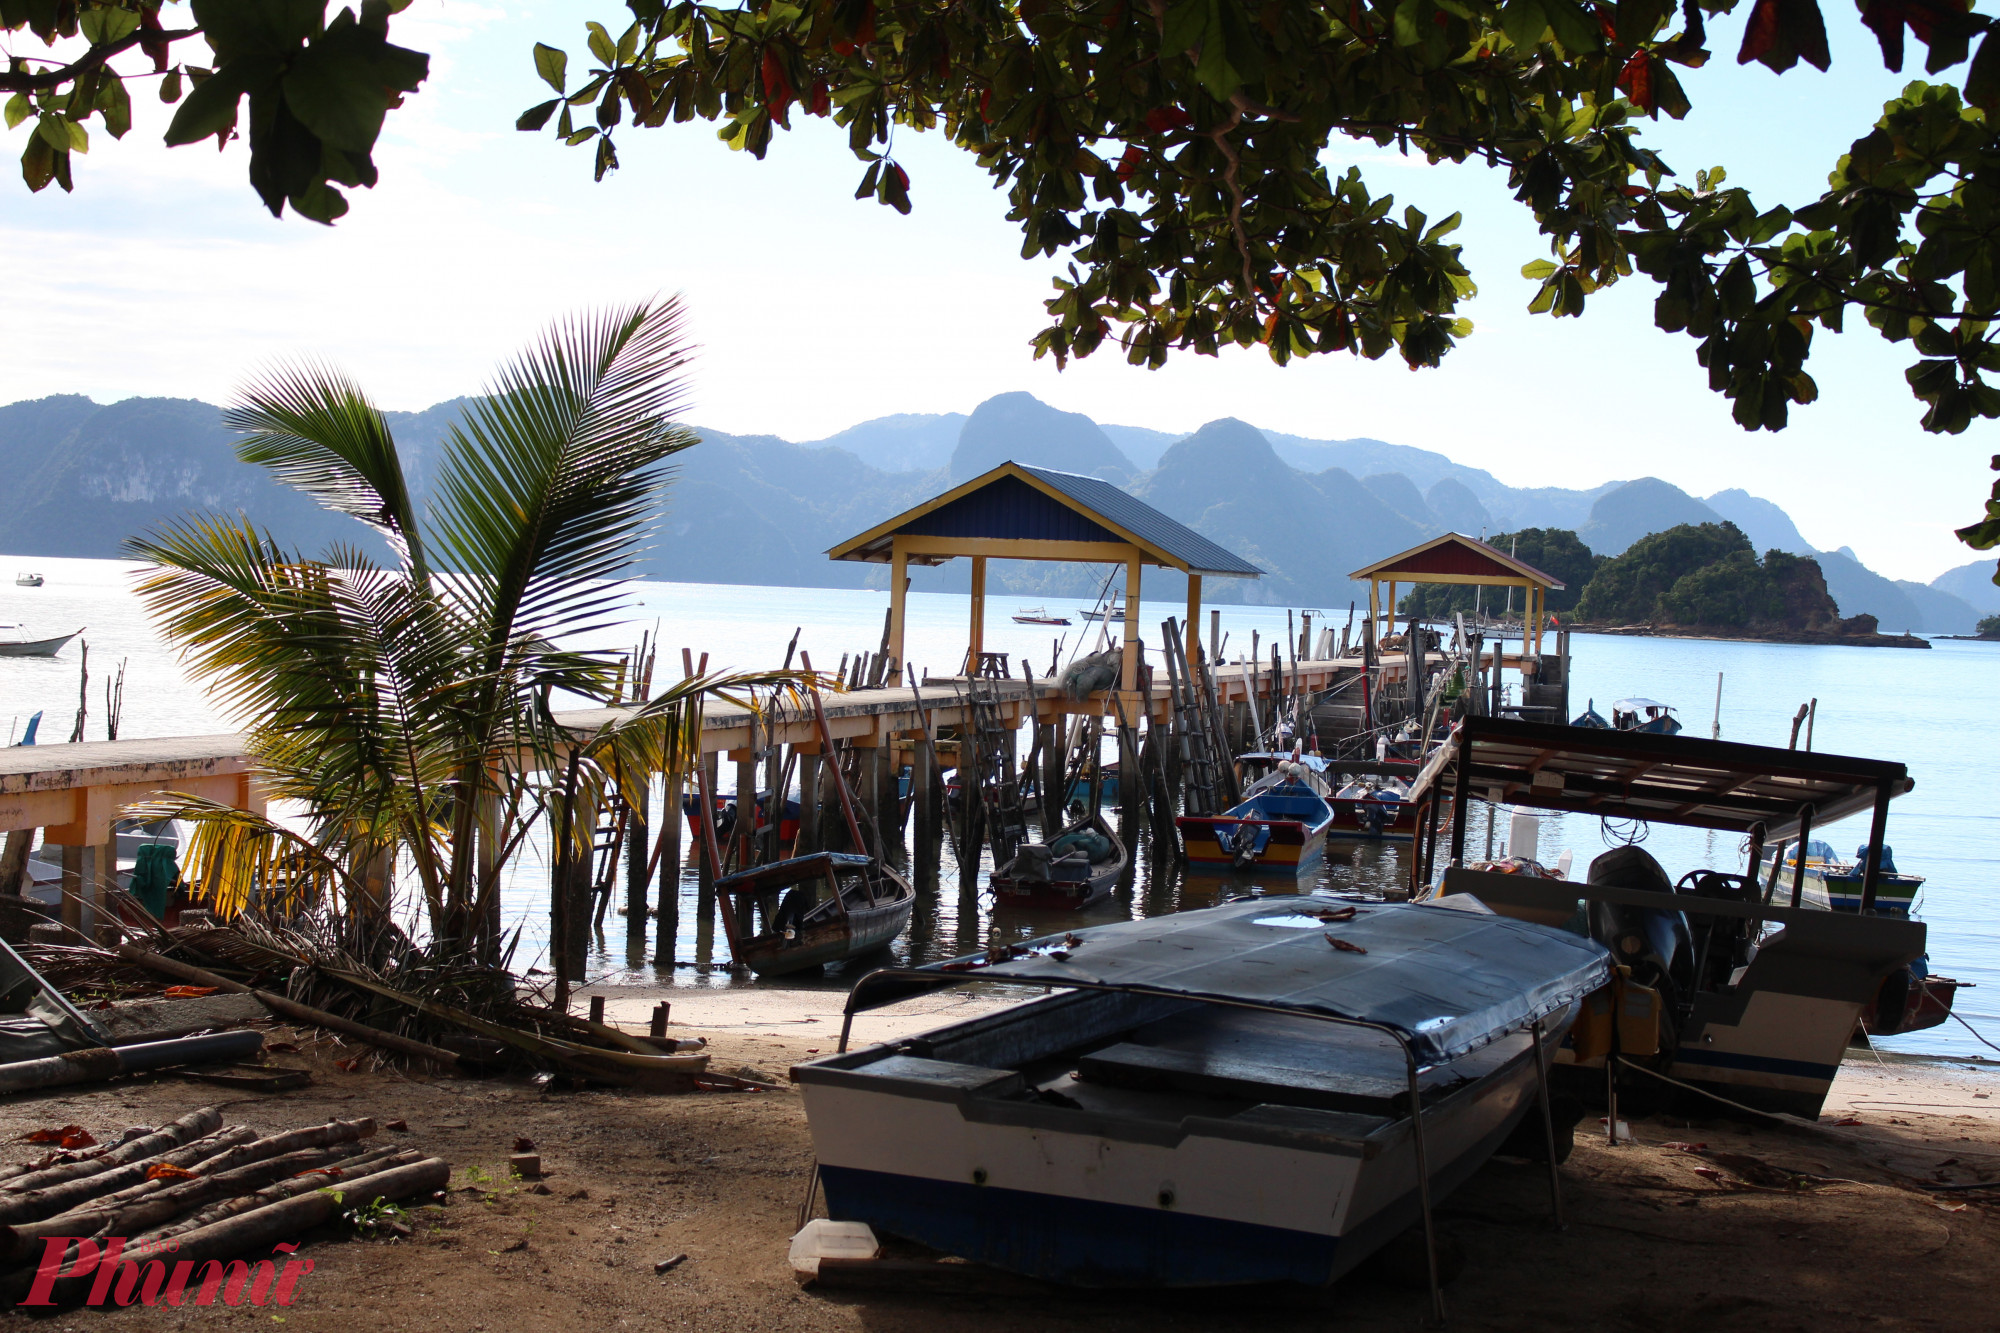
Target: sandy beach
point(1681, 1228)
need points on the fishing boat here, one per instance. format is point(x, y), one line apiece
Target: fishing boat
point(725, 816)
point(1037, 615)
point(14, 642)
point(1374, 805)
point(1075, 869)
point(1282, 825)
point(1116, 611)
point(1909, 1000)
point(805, 912)
point(25, 580)
point(1589, 717)
point(1237, 1094)
point(1754, 996)
point(1077, 797)
point(1648, 715)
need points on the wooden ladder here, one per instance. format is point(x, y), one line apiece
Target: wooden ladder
point(1191, 731)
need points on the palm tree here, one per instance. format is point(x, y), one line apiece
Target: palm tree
point(407, 707)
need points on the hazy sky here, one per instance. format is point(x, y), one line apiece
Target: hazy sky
point(163, 275)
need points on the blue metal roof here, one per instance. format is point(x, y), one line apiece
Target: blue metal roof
point(1198, 553)
point(1003, 506)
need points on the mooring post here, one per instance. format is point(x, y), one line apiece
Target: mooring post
point(746, 808)
point(638, 853)
point(711, 764)
point(924, 808)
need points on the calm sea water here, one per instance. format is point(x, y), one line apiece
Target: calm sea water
point(1935, 711)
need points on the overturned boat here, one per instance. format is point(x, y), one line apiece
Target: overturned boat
point(1239, 1094)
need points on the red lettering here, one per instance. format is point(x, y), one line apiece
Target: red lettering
point(49, 1267)
point(229, 1280)
point(141, 1283)
point(177, 1284)
point(294, 1270)
point(107, 1270)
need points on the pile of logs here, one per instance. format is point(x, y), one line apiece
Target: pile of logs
point(217, 1192)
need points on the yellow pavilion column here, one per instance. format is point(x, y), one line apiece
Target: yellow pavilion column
point(1129, 678)
point(899, 587)
point(1194, 619)
point(978, 639)
point(1375, 607)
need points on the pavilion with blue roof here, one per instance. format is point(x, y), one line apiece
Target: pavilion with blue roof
point(1017, 512)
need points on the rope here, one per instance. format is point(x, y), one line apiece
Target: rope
point(1975, 1032)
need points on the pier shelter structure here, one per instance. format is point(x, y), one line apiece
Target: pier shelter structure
point(1457, 558)
point(1017, 512)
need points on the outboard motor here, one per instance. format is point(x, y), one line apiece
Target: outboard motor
point(1653, 942)
point(1721, 943)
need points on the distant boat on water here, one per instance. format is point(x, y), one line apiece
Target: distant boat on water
point(1037, 615)
point(27, 580)
point(14, 642)
point(1115, 611)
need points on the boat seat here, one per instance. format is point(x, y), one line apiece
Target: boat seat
point(1164, 1068)
point(1282, 1059)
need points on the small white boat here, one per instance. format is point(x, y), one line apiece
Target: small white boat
point(14, 642)
point(1115, 611)
point(1238, 1094)
point(25, 580)
point(1037, 615)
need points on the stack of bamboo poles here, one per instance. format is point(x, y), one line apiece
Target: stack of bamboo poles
point(218, 1192)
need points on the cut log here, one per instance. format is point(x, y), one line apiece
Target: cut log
point(192, 1126)
point(377, 1160)
point(34, 1205)
point(288, 1008)
point(128, 1212)
point(99, 1063)
point(191, 1158)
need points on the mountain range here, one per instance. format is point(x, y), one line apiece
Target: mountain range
point(762, 510)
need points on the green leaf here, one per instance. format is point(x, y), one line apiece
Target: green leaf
point(342, 85)
point(1540, 270)
point(170, 86)
point(1982, 81)
point(552, 65)
point(116, 105)
point(274, 28)
point(99, 26)
point(601, 44)
point(537, 116)
point(1524, 22)
point(38, 163)
point(19, 108)
point(210, 109)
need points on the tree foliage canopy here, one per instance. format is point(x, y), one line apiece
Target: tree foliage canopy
point(317, 88)
point(1173, 151)
point(1707, 575)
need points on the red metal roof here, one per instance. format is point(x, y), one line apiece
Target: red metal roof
point(1455, 553)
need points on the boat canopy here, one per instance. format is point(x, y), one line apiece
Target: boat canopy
point(1641, 705)
point(1312, 761)
point(1685, 780)
point(779, 873)
point(1444, 980)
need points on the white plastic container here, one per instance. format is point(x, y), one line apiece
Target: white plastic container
point(824, 1238)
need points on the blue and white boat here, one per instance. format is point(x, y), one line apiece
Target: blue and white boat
point(1240, 1094)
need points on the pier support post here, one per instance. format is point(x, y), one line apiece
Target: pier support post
point(666, 925)
point(809, 785)
point(1049, 782)
point(925, 801)
point(638, 853)
point(746, 808)
point(75, 912)
point(712, 764)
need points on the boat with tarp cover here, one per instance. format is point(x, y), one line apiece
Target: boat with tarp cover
point(1218, 1096)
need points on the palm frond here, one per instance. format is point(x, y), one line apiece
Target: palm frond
point(549, 483)
point(237, 858)
point(317, 432)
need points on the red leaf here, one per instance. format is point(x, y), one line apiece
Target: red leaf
point(1606, 17)
point(1637, 81)
point(1761, 34)
point(77, 1137)
point(168, 1171)
point(61, 1136)
point(1343, 945)
point(822, 100)
point(1163, 118)
point(189, 992)
point(986, 105)
point(777, 87)
point(153, 46)
point(902, 176)
point(864, 33)
point(1129, 163)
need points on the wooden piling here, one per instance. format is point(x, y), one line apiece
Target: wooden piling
point(638, 853)
point(809, 784)
point(926, 801)
point(745, 851)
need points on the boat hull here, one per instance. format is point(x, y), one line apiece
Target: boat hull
point(1277, 1194)
point(38, 648)
point(863, 931)
point(1291, 845)
point(1378, 821)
